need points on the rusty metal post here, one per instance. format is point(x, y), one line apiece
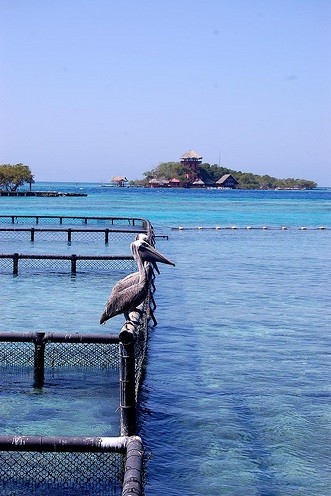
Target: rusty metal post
point(39, 360)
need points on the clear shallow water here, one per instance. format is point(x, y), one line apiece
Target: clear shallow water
point(246, 409)
point(236, 399)
point(183, 207)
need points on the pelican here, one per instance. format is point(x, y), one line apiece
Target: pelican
point(144, 237)
point(147, 254)
point(130, 292)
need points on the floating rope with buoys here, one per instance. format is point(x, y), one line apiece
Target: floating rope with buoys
point(263, 228)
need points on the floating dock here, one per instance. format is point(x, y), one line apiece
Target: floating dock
point(39, 193)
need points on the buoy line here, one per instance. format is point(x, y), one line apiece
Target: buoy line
point(260, 228)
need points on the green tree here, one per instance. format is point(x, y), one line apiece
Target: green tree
point(167, 170)
point(14, 176)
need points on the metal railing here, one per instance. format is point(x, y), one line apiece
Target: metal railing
point(123, 351)
point(67, 234)
point(41, 464)
point(74, 220)
point(14, 262)
point(98, 465)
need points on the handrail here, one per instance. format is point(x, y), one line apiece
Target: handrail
point(73, 259)
point(85, 218)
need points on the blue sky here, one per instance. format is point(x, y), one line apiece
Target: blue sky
point(93, 89)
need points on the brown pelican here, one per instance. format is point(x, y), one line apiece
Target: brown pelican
point(144, 237)
point(147, 254)
point(130, 292)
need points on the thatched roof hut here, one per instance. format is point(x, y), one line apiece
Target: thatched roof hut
point(119, 180)
point(190, 155)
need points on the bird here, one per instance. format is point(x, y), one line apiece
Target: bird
point(144, 237)
point(146, 251)
point(131, 291)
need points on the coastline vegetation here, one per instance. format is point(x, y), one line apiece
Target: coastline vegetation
point(247, 180)
point(14, 176)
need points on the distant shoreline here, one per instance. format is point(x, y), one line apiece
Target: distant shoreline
point(39, 193)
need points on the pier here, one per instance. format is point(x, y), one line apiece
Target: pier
point(39, 193)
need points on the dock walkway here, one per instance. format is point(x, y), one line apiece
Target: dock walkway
point(39, 193)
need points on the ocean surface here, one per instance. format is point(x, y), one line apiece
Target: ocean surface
point(236, 399)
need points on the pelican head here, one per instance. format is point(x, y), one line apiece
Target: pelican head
point(142, 237)
point(143, 250)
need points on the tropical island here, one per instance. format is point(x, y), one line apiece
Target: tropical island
point(191, 172)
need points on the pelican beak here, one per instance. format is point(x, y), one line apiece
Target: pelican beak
point(152, 255)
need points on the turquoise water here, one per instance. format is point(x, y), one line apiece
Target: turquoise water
point(236, 399)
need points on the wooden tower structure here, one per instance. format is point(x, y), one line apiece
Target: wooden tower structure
point(191, 161)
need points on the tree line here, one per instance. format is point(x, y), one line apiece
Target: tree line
point(14, 176)
point(246, 180)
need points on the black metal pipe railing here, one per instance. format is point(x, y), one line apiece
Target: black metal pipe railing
point(127, 365)
point(127, 380)
point(39, 360)
point(70, 231)
point(131, 447)
point(83, 218)
point(62, 443)
point(73, 259)
point(40, 340)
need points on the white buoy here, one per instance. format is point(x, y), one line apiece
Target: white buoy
point(249, 227)
point(284, 228)
point(181, 228)
point(264, 227)
point(303, 228)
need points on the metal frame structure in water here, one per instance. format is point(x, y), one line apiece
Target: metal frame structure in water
point(131, 342)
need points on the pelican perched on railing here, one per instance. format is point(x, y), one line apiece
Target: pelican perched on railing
point(144, 237)
point(130, 292)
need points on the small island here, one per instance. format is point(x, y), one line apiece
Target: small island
point(191, 172)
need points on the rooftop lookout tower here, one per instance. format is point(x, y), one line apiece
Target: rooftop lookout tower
point(191, 161)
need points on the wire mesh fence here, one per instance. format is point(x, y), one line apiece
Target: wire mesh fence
point(70, 235)
point(70, 466)
point(35, 473)
point(23, 263)
point(73, 220)
point(140, 347)
point(87, 355)
point(59, 468)
point(25, 470)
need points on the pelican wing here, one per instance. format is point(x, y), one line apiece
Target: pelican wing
point(125, 300)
